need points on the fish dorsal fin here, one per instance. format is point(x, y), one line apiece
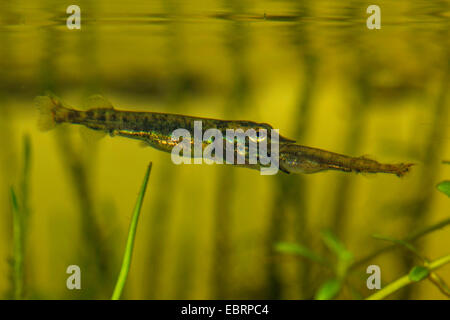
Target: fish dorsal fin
point(285, 140)
point(367, 156)
point(98, 102)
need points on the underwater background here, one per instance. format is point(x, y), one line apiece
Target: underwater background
point(310, 68)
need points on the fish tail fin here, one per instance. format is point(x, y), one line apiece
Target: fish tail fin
point(403, 168)
point(399, 169)
point(48, 107)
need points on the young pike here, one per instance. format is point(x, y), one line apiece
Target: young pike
point(154, 128)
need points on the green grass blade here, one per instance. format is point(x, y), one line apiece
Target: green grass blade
point(334, 244)
point(400, 242)
point(329, 290)
point(24, 192)
point(345, 257)
point(298, 249)
point(17, 247)
point(126, 263)
point(20, 211)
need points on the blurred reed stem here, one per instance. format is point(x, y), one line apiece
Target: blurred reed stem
point(88, 49)
point(94, 249)
point(353, 139)
point(18, 252)
point(21, 213)
point(237, 37)
point(430, 164)
point(8, 156)
point(160, 213)
point(415, 236)
point(291, 191)
point(97, 252)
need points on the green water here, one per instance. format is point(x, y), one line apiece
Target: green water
point(313, 69)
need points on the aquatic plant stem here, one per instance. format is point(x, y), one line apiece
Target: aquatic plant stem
point(18, 247)
point(409, 238)
point(21, 212)
point(126, 262)
point(406, 280)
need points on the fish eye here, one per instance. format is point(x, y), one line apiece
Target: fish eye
point(260, 135)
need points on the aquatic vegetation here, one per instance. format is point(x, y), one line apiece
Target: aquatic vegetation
point(18, 247)
point(20, 217)
point(312, 69)
point(21, 212)
point(339, 263)
point(345, 264)
point(126, 263)
point(444, 187)
point(417, 273)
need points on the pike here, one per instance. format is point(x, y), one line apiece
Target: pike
point(155, 129)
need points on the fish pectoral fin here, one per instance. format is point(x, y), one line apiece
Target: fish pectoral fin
point(98, 102)
point(91, 135)
point(284, 170)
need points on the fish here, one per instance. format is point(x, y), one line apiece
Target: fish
point(296, 158)
point(155, 129)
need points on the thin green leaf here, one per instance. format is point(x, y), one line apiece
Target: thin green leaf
point(126, 263)
point(418, 273)
point(15, 203)
point(24, 188)
point(400, 242)
point(344, 256)
point(17, 247)
point(335, 245)
point(329, 290)
point(439, 283)
point(297, 249)
point(406, 279)
point(444, 187)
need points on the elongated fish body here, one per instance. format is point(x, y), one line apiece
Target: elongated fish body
point(295, 158)
point(156, 130)
point(153, 128)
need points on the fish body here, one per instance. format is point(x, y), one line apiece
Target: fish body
point(155, 129)
point(301, 159)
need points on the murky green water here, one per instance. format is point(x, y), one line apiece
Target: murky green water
point(313, 69)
